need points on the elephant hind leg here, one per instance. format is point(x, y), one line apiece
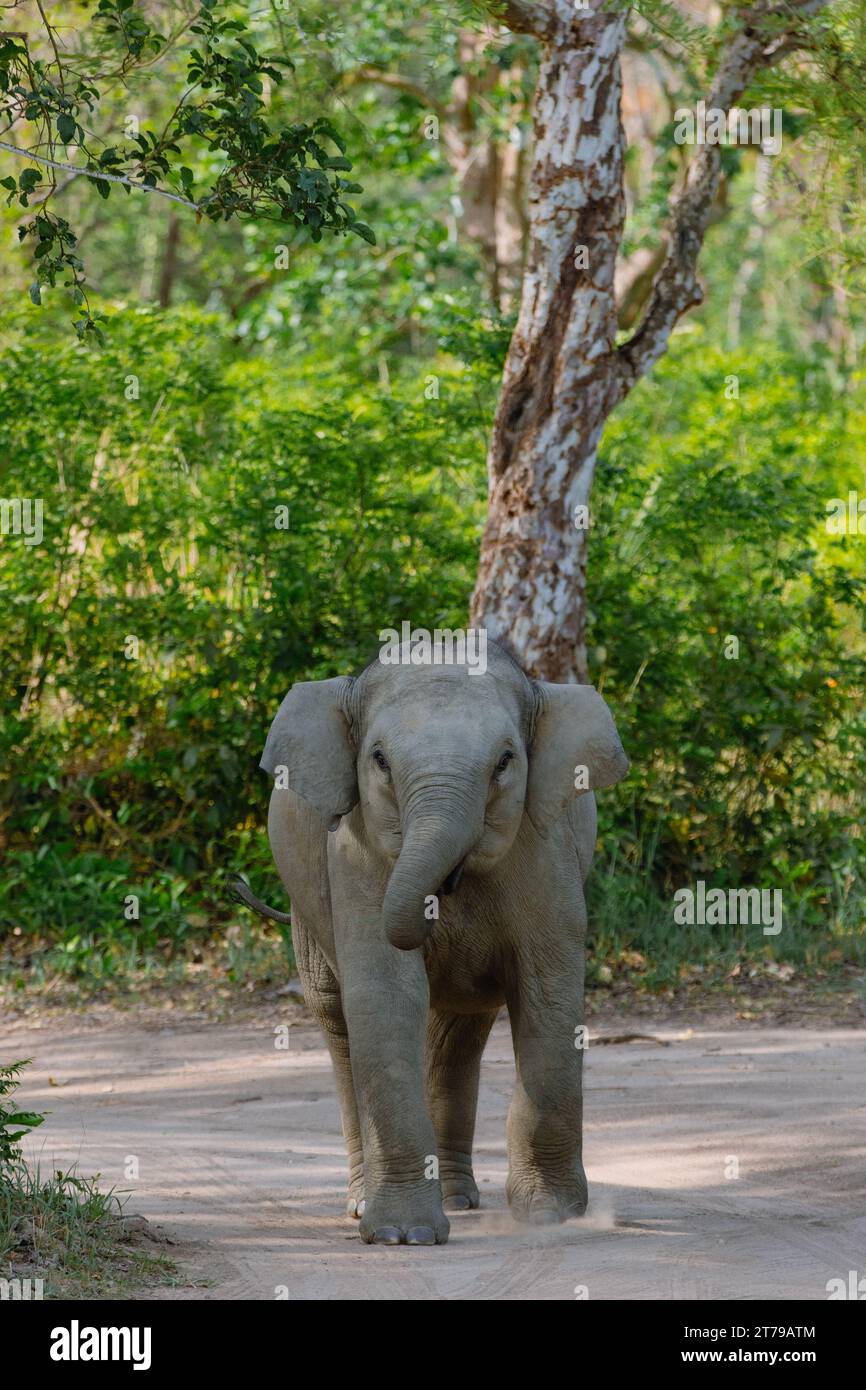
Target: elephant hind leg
point(455, 1043)
point(322, 997)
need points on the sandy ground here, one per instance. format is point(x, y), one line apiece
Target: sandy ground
point(239, 1158)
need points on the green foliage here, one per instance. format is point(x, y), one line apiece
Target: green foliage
point(14, 1123)
point(220, 121)
point(728, 631)
point(156, 629)
point(62, 1225)
point(241, 492)
point(174, 599)
point(72, 1236)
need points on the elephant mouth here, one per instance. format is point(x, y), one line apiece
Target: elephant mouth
point(452, 882)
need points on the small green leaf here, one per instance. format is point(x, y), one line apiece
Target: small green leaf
point(35, 293)
point(26, 1117)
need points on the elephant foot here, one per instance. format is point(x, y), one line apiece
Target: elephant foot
point(397, 1217)
point(542, 1201)
point(459, 1192)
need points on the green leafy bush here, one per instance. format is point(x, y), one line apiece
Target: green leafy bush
point(14, 1123)
point(221, 520)
point(728, 625)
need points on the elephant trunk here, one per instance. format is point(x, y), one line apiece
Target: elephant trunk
point(430, 862)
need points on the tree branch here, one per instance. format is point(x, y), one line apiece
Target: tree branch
point(523, 16)
point(96, 174)
point(53, 43)
point(676, 288)
point(397, 82)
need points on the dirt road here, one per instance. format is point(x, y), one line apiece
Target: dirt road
point(238, 1153)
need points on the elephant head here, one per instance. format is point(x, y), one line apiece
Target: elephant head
point(444, 765)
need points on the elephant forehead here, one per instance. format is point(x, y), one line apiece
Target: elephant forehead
point(413, 694)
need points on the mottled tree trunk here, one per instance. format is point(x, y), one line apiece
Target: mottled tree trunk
point(558, 386)
point(564, 373)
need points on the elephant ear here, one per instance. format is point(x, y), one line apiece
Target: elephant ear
point(575, 748)
point(309, 738)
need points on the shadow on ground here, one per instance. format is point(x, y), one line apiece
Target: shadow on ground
point(237, 1150)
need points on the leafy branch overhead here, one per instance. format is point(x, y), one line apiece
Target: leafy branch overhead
point(295, 175)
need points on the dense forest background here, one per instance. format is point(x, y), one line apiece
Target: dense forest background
point(247, 369)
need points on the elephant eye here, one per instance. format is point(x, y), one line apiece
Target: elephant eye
point(503, 762)
point(380, 760)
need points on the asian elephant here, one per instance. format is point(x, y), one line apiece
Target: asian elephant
point(433, 828)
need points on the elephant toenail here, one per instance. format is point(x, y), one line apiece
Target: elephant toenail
point(386, 1235)
point(458, 1202)
point(421, 1235)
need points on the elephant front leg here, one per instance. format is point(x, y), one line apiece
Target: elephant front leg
point(385, 1000)
point(546, 1180)
point(455, 1043)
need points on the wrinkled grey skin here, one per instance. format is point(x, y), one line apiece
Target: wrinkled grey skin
point(408, 766)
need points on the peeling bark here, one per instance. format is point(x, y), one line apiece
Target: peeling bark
point(559, 384)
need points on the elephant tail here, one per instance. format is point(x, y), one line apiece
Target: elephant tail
point(240, 893)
